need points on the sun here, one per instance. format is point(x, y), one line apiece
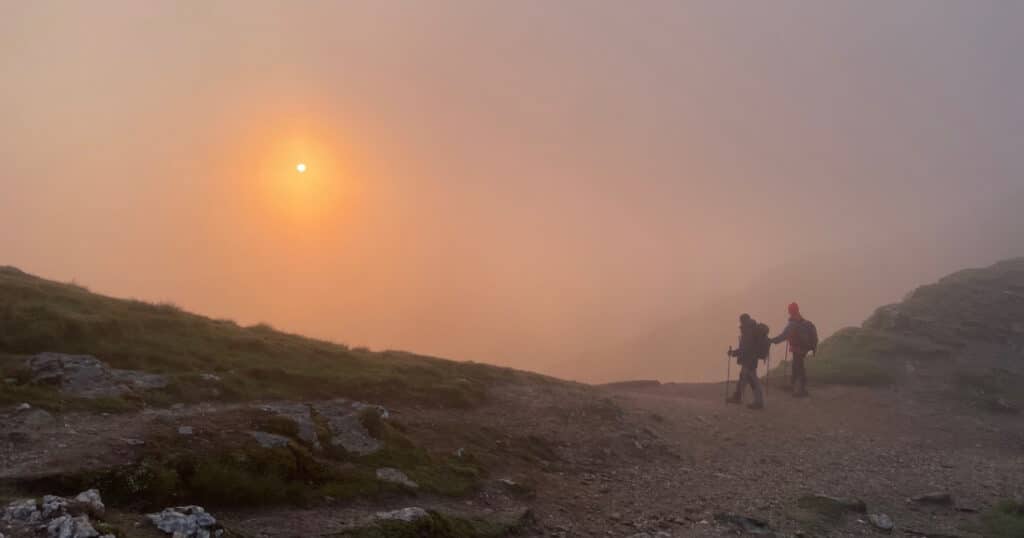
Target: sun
point(301, 167)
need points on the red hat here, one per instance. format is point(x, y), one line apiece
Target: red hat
point(794, 309)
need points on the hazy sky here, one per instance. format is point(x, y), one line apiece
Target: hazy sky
point(500, 181)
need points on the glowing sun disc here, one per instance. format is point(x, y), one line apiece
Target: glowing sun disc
point(301, 167)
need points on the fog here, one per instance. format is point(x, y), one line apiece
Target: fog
point(589, 189)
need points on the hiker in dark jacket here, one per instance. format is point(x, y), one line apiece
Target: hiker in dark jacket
point(746, 357)
point(798, 346)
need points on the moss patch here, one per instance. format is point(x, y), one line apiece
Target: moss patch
point(1005, 520)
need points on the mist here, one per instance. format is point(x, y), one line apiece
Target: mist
point(534, 184)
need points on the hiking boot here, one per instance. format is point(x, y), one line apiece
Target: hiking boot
point(756, 406)
point(733, 400)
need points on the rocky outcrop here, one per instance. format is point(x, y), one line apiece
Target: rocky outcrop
point(186, 522)
point(59, 517)
point(341, 419)
point(84, 376)
point(346, 427)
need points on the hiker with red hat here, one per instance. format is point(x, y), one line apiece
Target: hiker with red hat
point(802, 338)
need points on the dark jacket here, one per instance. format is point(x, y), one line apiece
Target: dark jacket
point(790, 333)
point(746, 355)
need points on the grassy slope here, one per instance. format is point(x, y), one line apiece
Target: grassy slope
point(256, 362)
point(933, 322)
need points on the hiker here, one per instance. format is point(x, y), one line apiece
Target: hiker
point(803, 339)
point(747, 357)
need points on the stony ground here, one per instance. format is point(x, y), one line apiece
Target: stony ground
point(663, 459)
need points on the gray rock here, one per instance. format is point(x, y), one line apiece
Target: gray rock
point(91, 501)
point(394, 476)
point(53, 506)
point(85, 376)
point(186, 522)
point(213, 378)
point(410, 514)
point(303, 418)
point(36, 419)
point(270, 440)
point(71, 527)
point(939, 498)
point(25, 511)
point(23, 407)
point(185, 430)
point(346, 429)
point(881, 522)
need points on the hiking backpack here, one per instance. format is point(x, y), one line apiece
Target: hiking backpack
point(762, 343)
point(807, 335)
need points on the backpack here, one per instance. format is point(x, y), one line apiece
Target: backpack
point(807, 335)
point(762, 343)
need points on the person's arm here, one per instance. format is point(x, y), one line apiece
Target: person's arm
point(785, 334)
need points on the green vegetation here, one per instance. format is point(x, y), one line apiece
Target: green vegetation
point(1005, 520)
point(437, 525)
point(229, 468)
point(867, 357)
point(992, 390)
point(257, 362)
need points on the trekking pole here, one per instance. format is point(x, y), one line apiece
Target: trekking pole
point(728, 371)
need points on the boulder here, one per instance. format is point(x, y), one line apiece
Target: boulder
point(186, 522)
point(407, 515)
point(301, 415)
point(346, 428)
point(394, 476)
point(24, 512)
point(85, 376)
point(53, 506)
point(91, 502)
point(71, 527)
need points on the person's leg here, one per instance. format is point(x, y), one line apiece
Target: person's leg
point(755, 384)
point(799, 375)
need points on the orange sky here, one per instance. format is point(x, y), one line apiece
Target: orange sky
point(514, 183)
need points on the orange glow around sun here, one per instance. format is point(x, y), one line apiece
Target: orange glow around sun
point(303, 176)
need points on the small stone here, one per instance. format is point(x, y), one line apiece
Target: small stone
point(23, 407)
point(185, 430)
point(410, 514)
point(881, 522)
point(394, 476)
point(213, 378)
point(939, 498)
point(460, 453)
point(270, 440)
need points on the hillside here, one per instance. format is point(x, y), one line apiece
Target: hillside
point(246, 363)
point(118, 418)
point(963, 335)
